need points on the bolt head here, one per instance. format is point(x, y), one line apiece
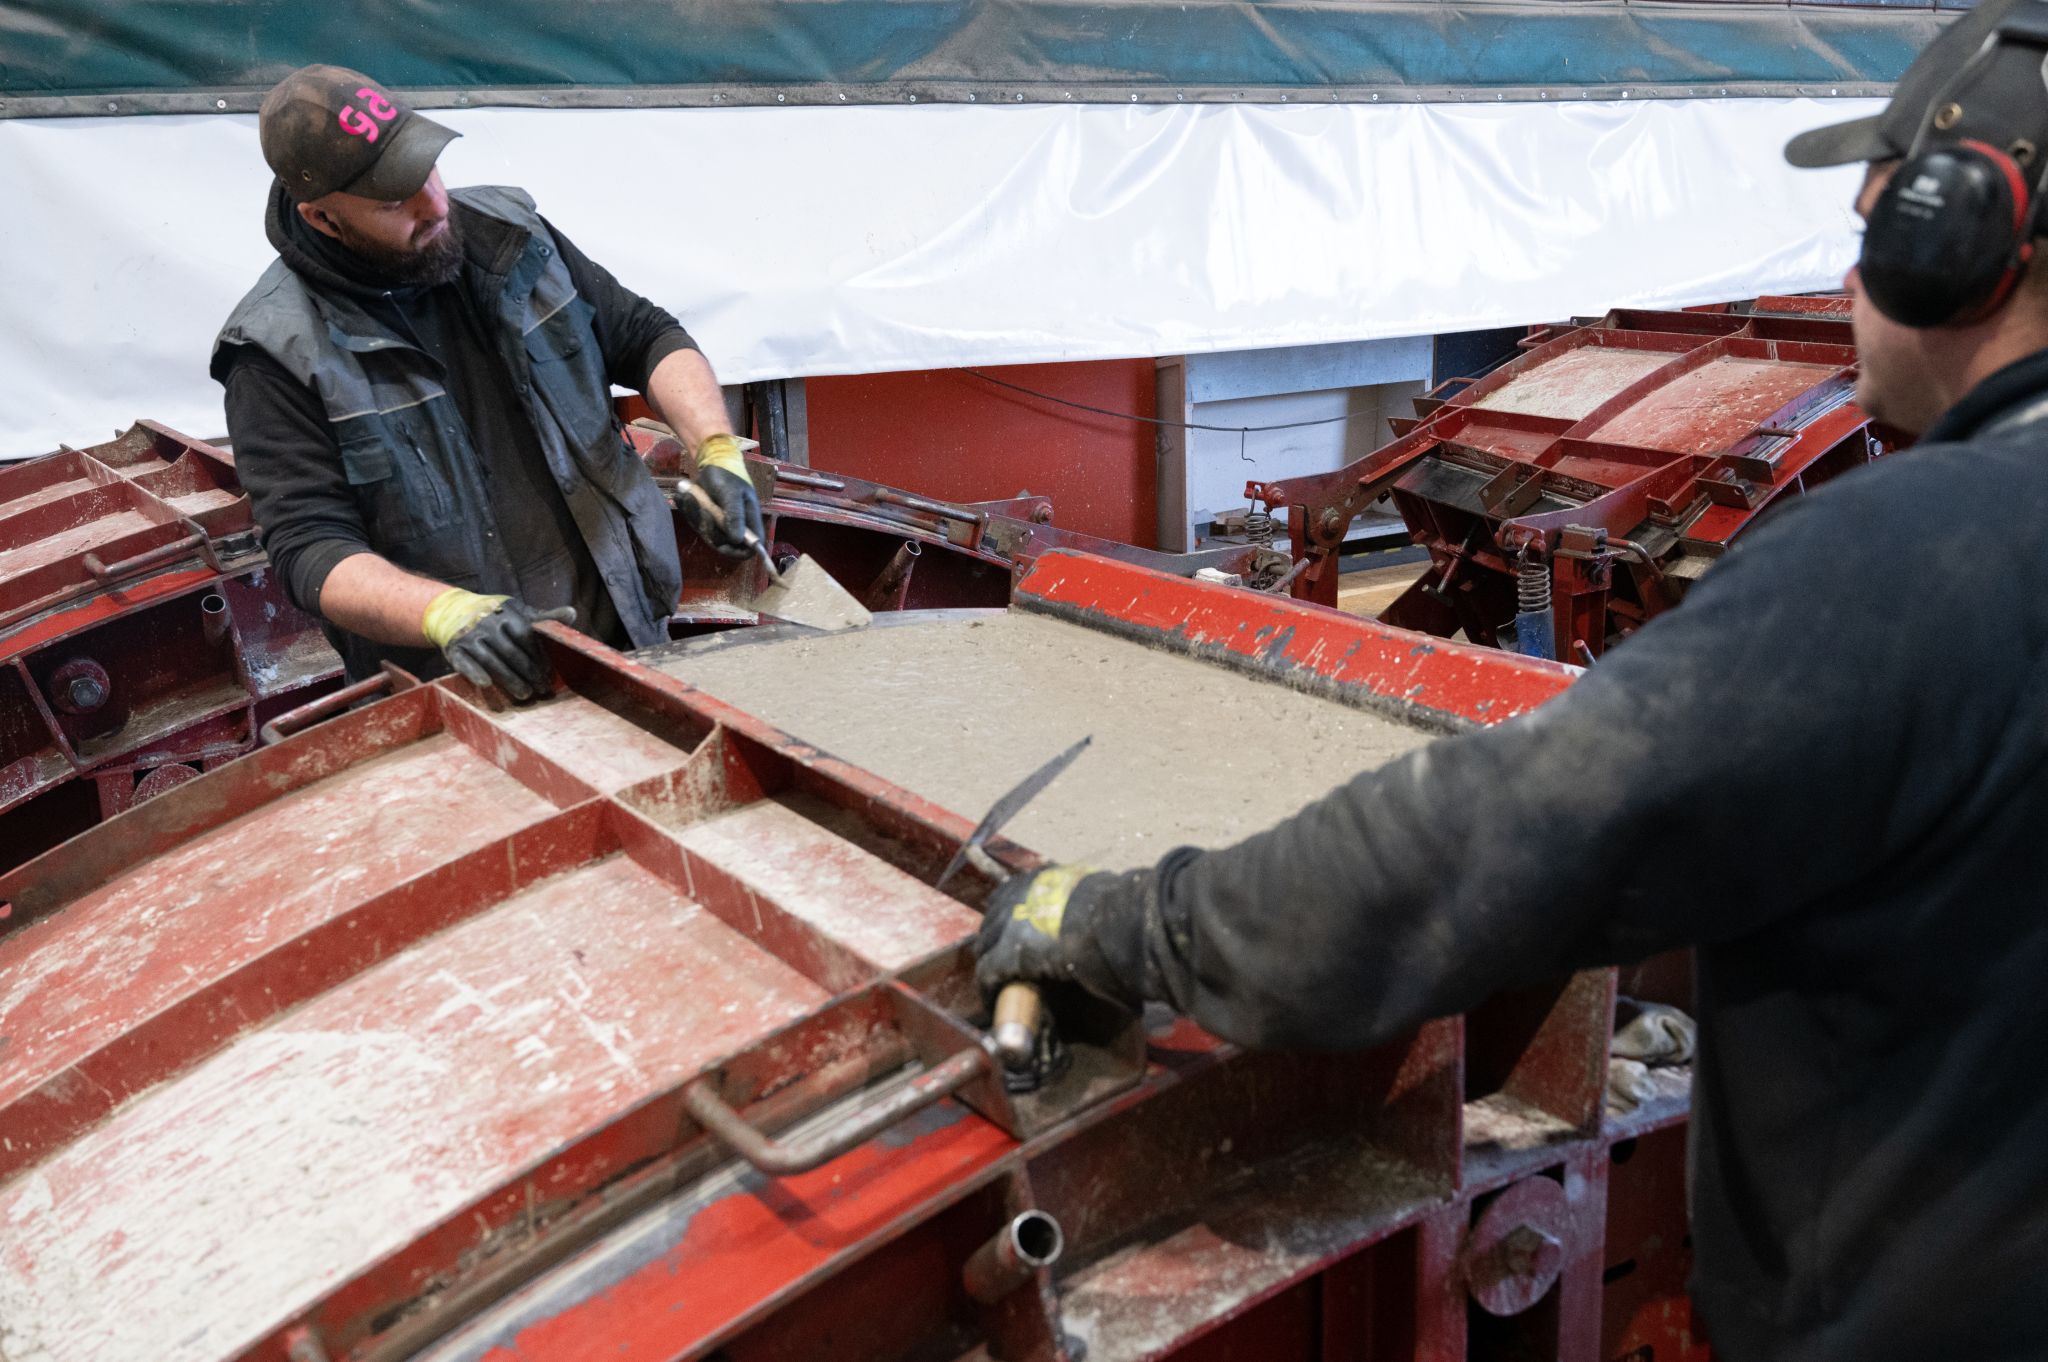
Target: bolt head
point(86, 693)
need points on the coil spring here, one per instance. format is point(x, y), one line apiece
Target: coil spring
point(1532, 586)
point(1258, 528)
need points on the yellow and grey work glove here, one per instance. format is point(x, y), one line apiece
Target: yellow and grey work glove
point(1041, 928)
point(722, 473)
point(490, 641)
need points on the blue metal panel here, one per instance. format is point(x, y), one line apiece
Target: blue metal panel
point(1226, 375)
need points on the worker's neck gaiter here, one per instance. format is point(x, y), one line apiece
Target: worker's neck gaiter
point(319, 258)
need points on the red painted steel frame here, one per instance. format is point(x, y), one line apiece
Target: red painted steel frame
point(423, 988)
point(131, 570)
point(1610, 465)
point(110, 556)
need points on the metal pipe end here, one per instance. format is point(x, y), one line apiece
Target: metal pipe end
point(213, 616)
point(1030, 1241)
point(1037, 1239)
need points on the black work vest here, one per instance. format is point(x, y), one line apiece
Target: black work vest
point(407, 452)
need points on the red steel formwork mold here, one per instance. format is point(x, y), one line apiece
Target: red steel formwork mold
point(1599, 474)
point(438, 1027)
point(896, 550)
point(143, 638)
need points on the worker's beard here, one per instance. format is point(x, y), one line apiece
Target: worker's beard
point(437, 262)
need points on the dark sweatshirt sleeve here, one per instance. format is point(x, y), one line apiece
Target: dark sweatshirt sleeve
point(634, 333)
point(291, 468)
point(1754, 752)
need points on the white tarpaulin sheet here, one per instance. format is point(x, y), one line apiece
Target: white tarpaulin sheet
point(866, 239)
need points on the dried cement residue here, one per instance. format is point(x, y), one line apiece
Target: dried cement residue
point(603, 750)
point(849, 894)
point(1498, 1121)
point(960, 708)
point(231, 1198)
point(1574, 383)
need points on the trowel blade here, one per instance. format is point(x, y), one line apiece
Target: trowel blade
point(810, 596)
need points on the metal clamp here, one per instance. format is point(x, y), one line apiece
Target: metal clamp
point(313, 711)
point(827, 1143)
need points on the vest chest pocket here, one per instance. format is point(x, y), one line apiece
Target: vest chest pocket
point(568, 371)
point(404, 497)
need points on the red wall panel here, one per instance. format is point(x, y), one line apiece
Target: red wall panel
point(947, 434)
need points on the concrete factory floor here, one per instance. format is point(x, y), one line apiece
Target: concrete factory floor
point(960, 705)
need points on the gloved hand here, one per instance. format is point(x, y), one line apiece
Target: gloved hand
point(1043, 928)
point(490, 641)
point(722, 473)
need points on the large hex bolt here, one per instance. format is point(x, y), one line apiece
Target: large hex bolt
point(1516, 1251)
point(80, 686)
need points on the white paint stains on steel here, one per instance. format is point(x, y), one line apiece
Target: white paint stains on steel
point(1509, 1124)
point(1267, 1229)
point(1573, 384)
point(959, 710)
point(598, 747)
point(218, 1205)
point(879, 912)
point(43, 496)
point(93, 534)
point(199, 912)
point(303, 656)
point(89, 1266)
point(686, 794)
point(1713, 406)
point(206, 499)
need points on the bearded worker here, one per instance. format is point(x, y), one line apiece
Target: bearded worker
point(419, 400)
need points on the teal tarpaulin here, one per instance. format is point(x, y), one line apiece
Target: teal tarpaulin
point(147, 56)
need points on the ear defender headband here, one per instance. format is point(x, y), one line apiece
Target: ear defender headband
point(1953, 231)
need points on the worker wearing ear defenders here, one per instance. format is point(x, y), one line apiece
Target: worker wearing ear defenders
point(1827, 772)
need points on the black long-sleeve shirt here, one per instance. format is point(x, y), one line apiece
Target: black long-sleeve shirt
point(1829, 771)
point(288, 461)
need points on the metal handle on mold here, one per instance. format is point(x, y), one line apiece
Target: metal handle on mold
point(857, 1127)
point(162, 553)
point(313, 711)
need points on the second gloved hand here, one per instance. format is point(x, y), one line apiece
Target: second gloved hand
point(722, 474)
point(1046, 928)
point(490, 641)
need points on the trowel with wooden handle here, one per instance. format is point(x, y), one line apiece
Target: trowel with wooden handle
point(803, 594)
point(1019, 1009)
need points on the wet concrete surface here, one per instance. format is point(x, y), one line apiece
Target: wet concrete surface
point(958, 706)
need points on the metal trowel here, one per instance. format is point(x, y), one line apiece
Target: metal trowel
point(804, 593)
point(1020, 1038)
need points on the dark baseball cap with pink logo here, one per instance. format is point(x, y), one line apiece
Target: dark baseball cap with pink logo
point(326, 129)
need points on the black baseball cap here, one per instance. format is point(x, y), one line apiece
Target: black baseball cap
point(326, 129)
point(1890, 134)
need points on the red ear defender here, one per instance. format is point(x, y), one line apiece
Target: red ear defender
point(1948, 237)
point(2022, 212)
